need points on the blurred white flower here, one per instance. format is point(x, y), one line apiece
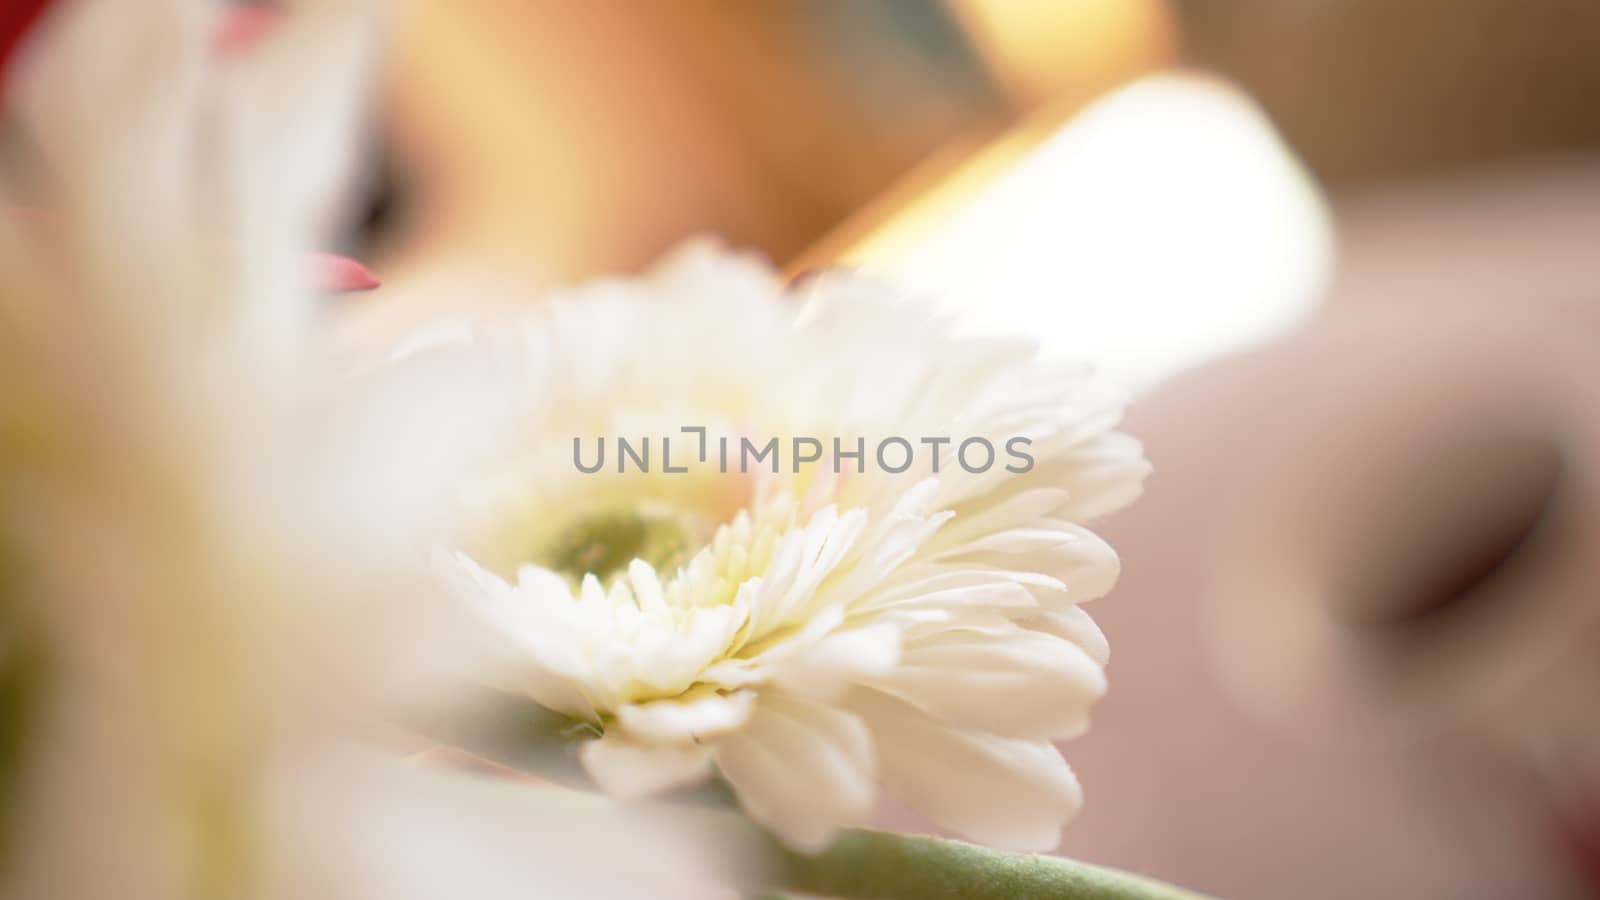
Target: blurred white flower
point(814, 631)
point(206, 538)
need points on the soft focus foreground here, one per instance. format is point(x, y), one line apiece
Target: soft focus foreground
point(211, 589)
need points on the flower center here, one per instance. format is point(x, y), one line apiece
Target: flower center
point(604, 543)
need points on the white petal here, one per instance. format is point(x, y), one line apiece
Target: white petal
point(1072, 623)
point(678, 721)
point(803, 558)
point(1085, 566)
point(830, 666)
point(630, 770)
point(784, 644)
point(525, 651)
point(951, 587)
point(1004, 792)
point(1028, 539)
point(731, 674)
point(1104, 475)
point(802, 769)
point(1021, 508)
point(646, 586)
point(1008, 681)
point(893, 538)
point(668, 660)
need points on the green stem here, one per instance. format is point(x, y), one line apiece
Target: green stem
point(874, 865)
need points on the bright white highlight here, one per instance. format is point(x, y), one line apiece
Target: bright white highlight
point(1163, 225)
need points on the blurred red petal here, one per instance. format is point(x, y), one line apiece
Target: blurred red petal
point(341, 274)
point(244, 26)
point(16, 17)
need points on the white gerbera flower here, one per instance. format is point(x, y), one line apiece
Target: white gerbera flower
point(823, 621)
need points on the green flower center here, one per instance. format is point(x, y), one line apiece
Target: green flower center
point(603, 544)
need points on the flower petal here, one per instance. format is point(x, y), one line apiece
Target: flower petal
point(682, 720)
point(522, 653)
point(1007, 681)
point(1105, 475)
point(802, 769)
point(1075, 625)
point(803, 558)
point(1008, 793)
point(957, 587)
point(628, 769)
point(1023, 507)
point(829, 667)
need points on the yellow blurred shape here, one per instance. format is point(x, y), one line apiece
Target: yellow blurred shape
point(1161, 225)
point(1042, 49)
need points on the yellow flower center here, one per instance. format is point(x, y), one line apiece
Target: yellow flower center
point(604, 543)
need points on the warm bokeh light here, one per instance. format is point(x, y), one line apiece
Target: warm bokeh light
point(556, 141)
point(1164, 224)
